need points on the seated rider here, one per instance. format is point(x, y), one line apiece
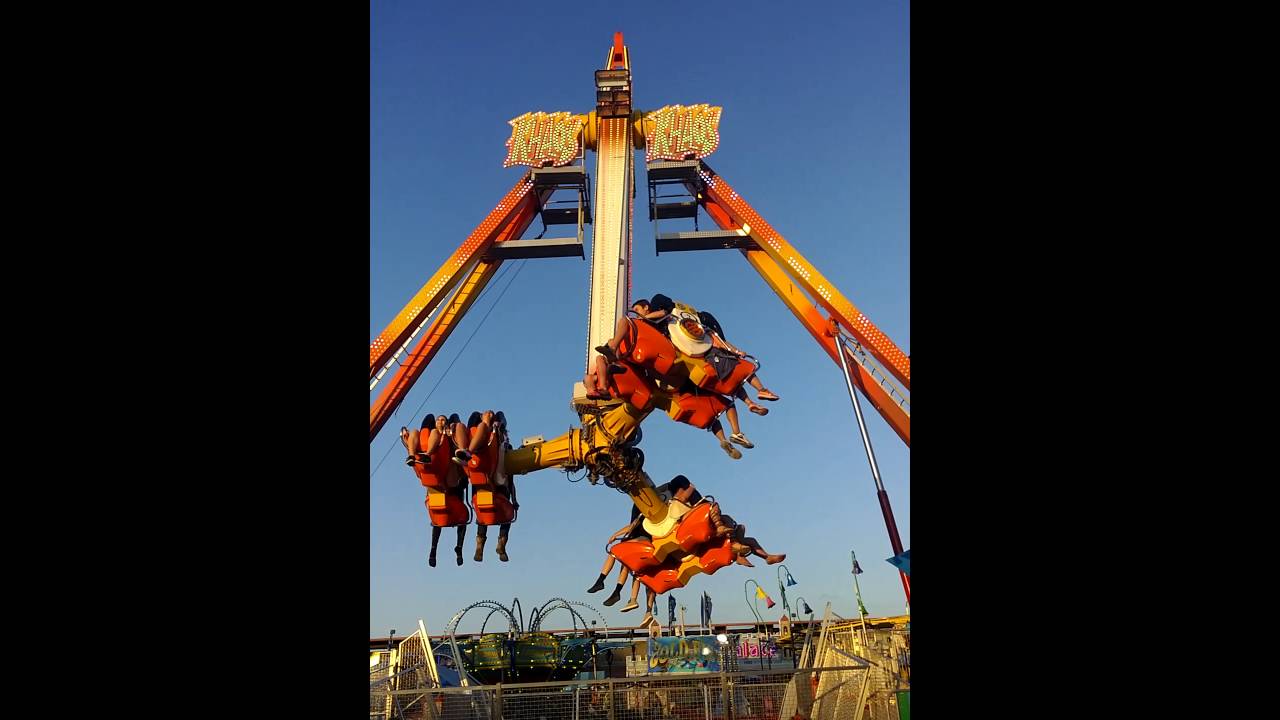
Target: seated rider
point(680, 496)
point(436, 428)
point(685, 496)
point(484, 430)
point(653, 311)
point(742, 545)
point(724, 357)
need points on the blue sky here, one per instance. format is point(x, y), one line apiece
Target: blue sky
point(815, 135)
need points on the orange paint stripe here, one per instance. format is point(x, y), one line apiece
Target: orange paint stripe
point(822, 290)
point(477, 243)
point(780, 282)
point(444, 325)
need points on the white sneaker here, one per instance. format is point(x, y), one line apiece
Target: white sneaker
point(742, 440)
point(629, 606)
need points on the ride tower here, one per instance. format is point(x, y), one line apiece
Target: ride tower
point(662, 367)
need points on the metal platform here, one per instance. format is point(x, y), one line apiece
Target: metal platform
point(668, 211)
point(672, 171)
point(705, 240)
point(572, 178)
point(568, 175)
point(541, 248)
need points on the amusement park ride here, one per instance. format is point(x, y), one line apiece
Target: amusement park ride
point(661, 367)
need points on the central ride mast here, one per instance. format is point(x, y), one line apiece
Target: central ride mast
point(609, 132)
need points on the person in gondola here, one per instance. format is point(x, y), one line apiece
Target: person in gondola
point(437, 428)
point(631, 531)
point(654, 312)
point(742, 545)
point(482, 430)
point(680, 495)
point(724, 357)
point(685, 496)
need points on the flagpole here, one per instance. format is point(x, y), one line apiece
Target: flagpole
point(857, 591)
point(894, 540)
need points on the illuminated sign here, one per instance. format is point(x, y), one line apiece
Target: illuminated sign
point(684, 655)
point(679, 133)
point(538, 139)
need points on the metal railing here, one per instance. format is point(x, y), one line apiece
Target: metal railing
point(830, 693)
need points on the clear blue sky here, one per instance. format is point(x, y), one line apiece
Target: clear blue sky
point(815, 135)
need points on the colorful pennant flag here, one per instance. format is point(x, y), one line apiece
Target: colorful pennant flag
point(902, 562)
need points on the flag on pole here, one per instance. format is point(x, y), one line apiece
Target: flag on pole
point(706, 610)
point(857, 569)
point(671, 609)
point(902, 562)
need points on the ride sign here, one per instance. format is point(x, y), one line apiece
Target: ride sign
point(677, 132)
point(684, 654)
point(539, 139)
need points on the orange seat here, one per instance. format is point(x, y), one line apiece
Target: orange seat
point(662, 579)
point(728, 384)
point(717, 557)
point(482, 463)
point(647, 347)
point(697, 410)
point(695, 528)
point(433, 473)
point(636, 554)
point(631, 387)
point(492, 508)
point(447, 509)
